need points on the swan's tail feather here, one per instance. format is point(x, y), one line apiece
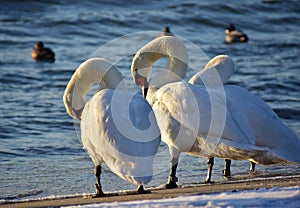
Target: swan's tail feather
point(236, 151)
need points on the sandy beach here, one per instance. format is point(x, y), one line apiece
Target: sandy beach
point(237, 183)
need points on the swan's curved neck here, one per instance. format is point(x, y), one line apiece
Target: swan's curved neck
point(167, 46)
point(217, 71)
point(94, 70)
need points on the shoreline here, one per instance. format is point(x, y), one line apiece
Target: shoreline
point(246, 182)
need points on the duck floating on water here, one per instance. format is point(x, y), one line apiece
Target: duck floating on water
point(235, 36)
point(40, 53)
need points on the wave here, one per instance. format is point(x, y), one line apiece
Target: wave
point(288, 113)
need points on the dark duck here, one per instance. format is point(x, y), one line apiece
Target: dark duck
point(41, 53)
point(234, 36)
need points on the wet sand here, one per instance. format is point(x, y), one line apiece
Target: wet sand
point(245, 182)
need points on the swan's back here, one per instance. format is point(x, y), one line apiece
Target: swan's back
point(120, 129)
point(198, 114)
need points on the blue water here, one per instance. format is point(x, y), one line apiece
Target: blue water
point(41, 154)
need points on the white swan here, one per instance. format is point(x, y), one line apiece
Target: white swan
point(117, 127)
point(269, 131)
point(193, 119)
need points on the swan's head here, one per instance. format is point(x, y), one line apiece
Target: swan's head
point(73, 100)
point(166, 46)
point(94, 70)
point(141, 67)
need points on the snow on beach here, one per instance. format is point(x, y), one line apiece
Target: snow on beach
point(274, 197)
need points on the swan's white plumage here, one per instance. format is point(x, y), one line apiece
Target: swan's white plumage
point(177, 114)
point(270, 132)
point(218, 69)
point(268, 129)
point(126, 154)
point(128, 158)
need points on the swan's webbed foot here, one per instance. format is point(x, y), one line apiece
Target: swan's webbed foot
point(172, 177)
point(99, 192)
point(171, 182)
point(141, 190)
point(208, 180)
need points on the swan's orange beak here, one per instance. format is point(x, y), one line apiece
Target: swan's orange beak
point(144, 85)
point(141, 81)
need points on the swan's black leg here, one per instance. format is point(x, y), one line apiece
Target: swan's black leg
point(141, 190)
point(210, 164)
point(99, 192)
point(252, 167)
point(226, 170)
point(172, 178)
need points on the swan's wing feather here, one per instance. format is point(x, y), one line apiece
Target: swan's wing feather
point(111, 134)
point(185, 110)
point(269, 129)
